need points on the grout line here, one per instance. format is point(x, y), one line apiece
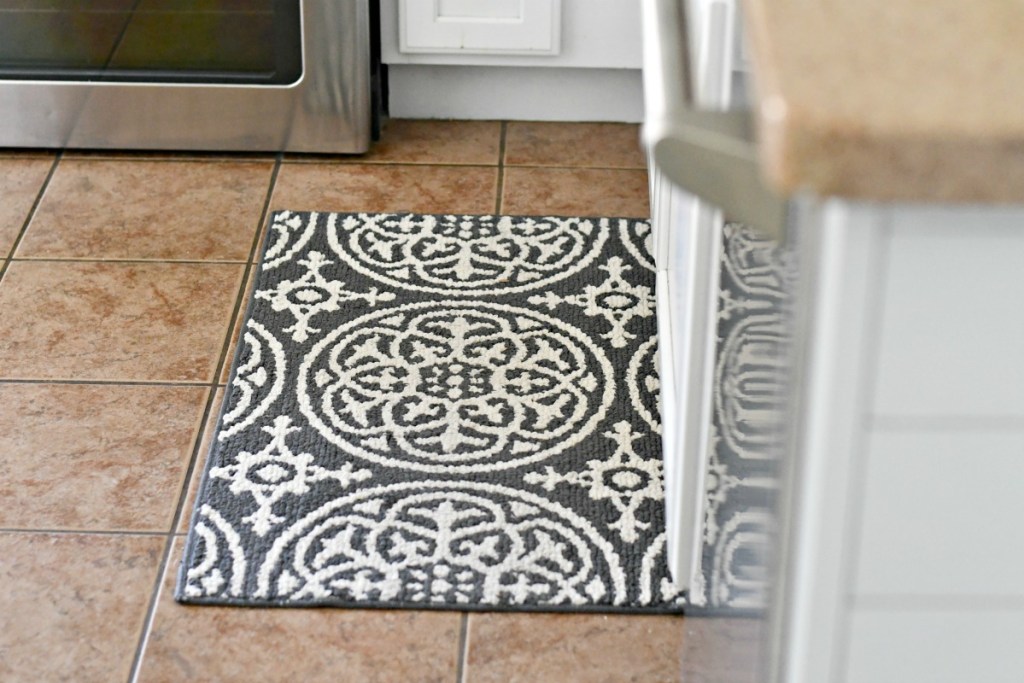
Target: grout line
point(501, 168)
point(145, 261)
point(327, 161)
point(420, 164)
point(80, 532)
point(938, 602)
point(26, 152)
point(171, 535)
point(79, 155)
point(410, 164)
point(559, 167)
point(460, 668)
point(109, 382)
point(373, 162)
point(951, 422)
point(31, 215)
point(449, 164)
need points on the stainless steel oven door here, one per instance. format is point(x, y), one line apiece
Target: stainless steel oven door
point(327, 109)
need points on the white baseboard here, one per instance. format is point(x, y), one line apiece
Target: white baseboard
point(528, 94)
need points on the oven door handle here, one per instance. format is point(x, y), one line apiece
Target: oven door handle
point(711, 154)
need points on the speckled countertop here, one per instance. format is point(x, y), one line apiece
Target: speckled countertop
point(891, 99)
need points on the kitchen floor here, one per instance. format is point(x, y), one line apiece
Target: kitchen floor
point(122, 281)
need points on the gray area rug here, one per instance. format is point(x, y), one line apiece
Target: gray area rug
point(440, 411)
point(462, 412)
point(751, 372)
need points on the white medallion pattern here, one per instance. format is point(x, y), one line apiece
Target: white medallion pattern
point(625, 479)
point(257, 381)
point(642, 381)
point(288, 233)
point(654, 585)
point(741, 559)
point(469, 255)
point(455, 387)
point(447, 411)
point(758, 266)
point(312, 294)
point(276, 472)
point(751, 371)
point(638, 237)
point(221, 571)
point(616, 300)
point(451, 542)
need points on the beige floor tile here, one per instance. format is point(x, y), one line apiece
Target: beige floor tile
point(20, 181)
point(575, 192)
point(167, 154)
point(583, 648)
point(227, 644)
point(367, 187)
point(95, 457)
point(410, 141)
point(600, 145)
point(162, 210)
point(201, 456)
point(115, 321)
point(724, 650)
point(72, 606)
point(26, 153)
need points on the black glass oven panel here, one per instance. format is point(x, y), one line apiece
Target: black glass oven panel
point(154, 41)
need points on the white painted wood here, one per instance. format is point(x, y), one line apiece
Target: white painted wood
point(595, 34)
point(687, 317)
point(475, 9)
point(689, 237)
point(936, 646)
point(954, 334)
point(844, 248)
point(515, 93)
point(906, 509)
point(942, 514)
point(714, 53)
point(670, 212)
point(503, 27)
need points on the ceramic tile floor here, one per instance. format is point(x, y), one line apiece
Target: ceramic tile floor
point(122, 277)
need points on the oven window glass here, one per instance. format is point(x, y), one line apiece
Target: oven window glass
point(152, 41)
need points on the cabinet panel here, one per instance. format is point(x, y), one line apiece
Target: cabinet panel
point(511, 27)
point(592, 34)
point(940, 511)
point(937, 646)
point(952, 335)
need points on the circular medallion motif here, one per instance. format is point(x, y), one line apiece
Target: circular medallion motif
point(642, 380)
point(455, 387)
point(638, 236)
point(443, 542)
point(465, 255)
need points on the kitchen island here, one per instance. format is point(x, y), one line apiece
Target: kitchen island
point(895, 131)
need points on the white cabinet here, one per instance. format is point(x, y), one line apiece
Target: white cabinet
point(901, 531)
point(555, 60)
point(463, 27)
point(905, 540)
point(688, 239)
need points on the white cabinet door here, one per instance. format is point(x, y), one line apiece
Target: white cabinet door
point(507, 27)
